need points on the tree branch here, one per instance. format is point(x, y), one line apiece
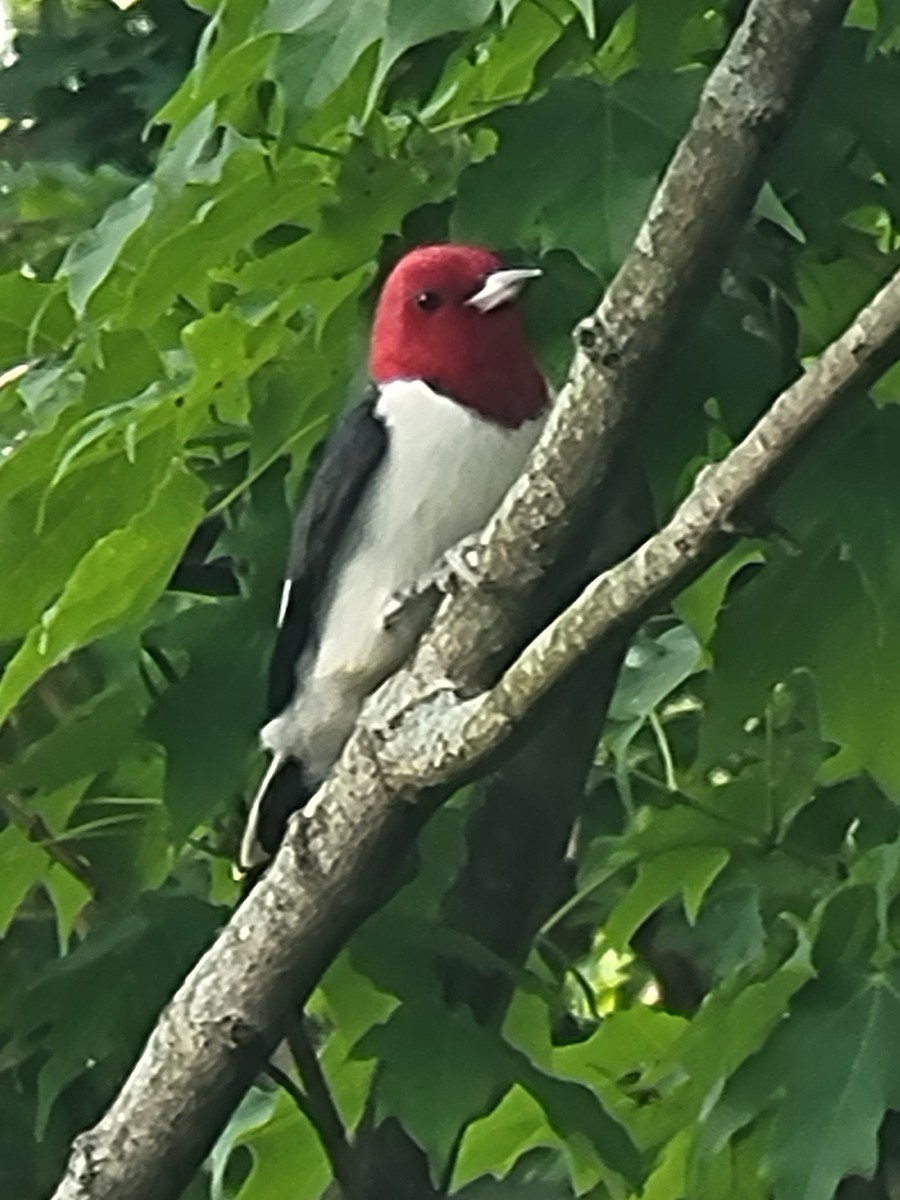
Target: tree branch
point(314, 1100)
point(676, 554)
point(417, 736)
point(320, 1107)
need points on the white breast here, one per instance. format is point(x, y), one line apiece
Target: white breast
point(444, 473)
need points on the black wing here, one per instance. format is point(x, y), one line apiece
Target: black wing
point(342, 474)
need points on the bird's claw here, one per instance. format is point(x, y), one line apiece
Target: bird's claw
point(459, 564)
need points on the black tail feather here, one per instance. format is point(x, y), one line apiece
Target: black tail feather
point(287, 792)
point(284, 790)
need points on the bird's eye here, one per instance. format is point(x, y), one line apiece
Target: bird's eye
point(428, 301)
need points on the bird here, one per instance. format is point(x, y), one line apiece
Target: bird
point(455, 402)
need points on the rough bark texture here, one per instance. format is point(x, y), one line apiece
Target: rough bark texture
point(418, 736)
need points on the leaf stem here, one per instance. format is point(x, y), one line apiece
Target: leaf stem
point(665, 751)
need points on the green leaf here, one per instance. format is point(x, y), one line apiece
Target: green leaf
point(410, 23)
point(588, 1123)
point(23, 301)
point(576, 168)
point(353, 1000)
point(809, 611)
point(323, 42)
point(69, 896)
point(659, 26)
point(576, 1113)
point(540, 1174)
point(769, 207)
point(833, 1065)
point(45, 532)
point(783, 755)
point(734, 1022)
point(288, 1160)
point(91, 739)
point(627, 1048)
point(653, 668)
point(832, 293)
point(22, 865)
point(585, 9)
point(888, 18)
point(376, 185)
point(700, 604)
point(93, 254)
point(668, 1179)
point(493, 1144)
point(848, 931)
point(504, 65)
point(730, 928)
point(688, 872)
point(116, 580)
point(628, 1040)
point(440, 1070)
point(863, 13)
point(255, 1110)
point(218, 75)
point(152, 944)
point(205, 761)
point(248, 201)
point(679, 827)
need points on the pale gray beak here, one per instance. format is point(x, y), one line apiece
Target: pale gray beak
point(501, 287)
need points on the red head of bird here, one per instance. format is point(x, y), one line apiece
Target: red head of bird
point(447, 315)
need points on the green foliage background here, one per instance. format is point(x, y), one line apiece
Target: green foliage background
point(196, 208)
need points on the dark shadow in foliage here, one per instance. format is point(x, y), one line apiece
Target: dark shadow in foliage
point(86, 83)
point(89, 1008)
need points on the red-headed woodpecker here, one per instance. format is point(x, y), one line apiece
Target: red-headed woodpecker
point(455, 404)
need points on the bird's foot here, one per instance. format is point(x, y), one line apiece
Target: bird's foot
point(459, 564)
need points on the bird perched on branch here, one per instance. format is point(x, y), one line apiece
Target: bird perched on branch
point(455, 404)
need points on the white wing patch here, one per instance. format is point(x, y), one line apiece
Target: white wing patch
point(285, 601)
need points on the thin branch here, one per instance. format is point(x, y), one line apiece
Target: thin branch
point(320, 1106)
point(335, 1153)
point(294, 1090)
